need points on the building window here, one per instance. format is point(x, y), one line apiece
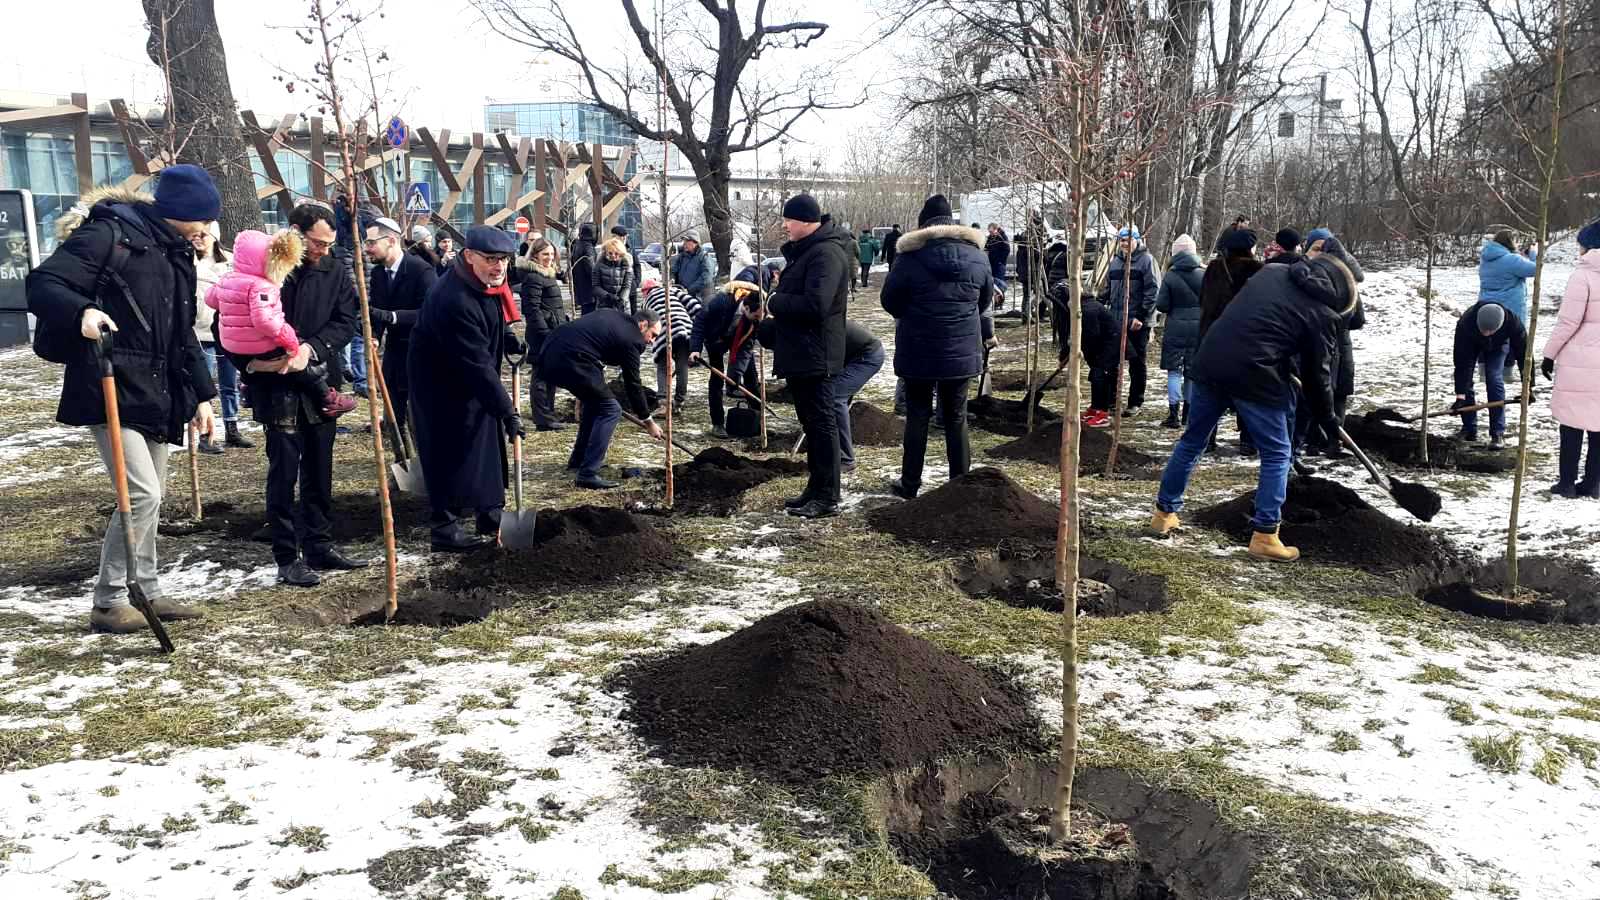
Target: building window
point(1286, 125)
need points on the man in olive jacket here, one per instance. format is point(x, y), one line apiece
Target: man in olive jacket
point(806, 333)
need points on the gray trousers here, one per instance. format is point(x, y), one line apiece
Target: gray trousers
point(146, 462)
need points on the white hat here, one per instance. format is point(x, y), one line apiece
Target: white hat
point(388, 224)
point(419, 233)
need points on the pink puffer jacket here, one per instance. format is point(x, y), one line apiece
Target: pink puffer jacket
point(1575, 346)
point(249, 312)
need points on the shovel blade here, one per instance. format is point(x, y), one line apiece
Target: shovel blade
point(517, 529)
point(407, 481)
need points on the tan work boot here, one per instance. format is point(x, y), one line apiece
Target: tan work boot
point(1163, 522)
point(122, 619)
point(173, 611)
point(1265, 545)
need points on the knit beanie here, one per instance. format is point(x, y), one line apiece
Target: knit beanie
point(1184, 244)
point(1490, 317)
point(1239, 240)
point(936, 207)
point(1589, 235)
point(1288, 239)
point(1319, 234)
point(802, 208)
point(185, 193)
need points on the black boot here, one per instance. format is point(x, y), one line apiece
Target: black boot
point(1183, 414)
point(1171, 420)
point(233, 438)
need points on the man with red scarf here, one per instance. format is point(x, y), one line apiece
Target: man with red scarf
point(461, 412)
point(726, 328)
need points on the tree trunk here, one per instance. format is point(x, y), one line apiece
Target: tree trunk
point(205, 117)
point(1427, 349)
point(714, 183)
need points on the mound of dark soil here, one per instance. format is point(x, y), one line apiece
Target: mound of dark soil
point(872, 427)
point(355, 518)
point(1331, 523)
point(1383, 433)
point(577, 546)
point(1044, 446)
point(713, 481)
point(1028, 580)
point(821, 688)
point(651, 398)
point(440, 609)
point(1012, 379)
point(979, 509)
point(1009, 417)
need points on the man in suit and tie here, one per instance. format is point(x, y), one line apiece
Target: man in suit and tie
point(400, 282)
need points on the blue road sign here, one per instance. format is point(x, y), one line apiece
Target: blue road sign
point(397, 133)
point(419, 198)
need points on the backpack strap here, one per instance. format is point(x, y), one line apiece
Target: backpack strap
point(111, 270)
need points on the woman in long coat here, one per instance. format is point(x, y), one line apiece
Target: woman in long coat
point(1572, 356)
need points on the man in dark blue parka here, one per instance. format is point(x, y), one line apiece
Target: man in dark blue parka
point(938, 291)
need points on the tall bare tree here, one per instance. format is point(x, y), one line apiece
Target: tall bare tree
point(714, 110)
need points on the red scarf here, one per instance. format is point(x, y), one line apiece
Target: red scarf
point(508, 303)
point(741, 331)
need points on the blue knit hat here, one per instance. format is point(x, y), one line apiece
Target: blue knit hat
point(184, 193)
point(1589, 235)
point(1317, 234)
point(1128, 231)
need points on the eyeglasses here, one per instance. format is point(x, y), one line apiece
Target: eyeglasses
point(377, 240)
point(320, 245)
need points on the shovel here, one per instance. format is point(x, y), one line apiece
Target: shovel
point(516, 527)
point(408, 481)
point(1034, 394)
point(194, 472)
point(984, 387)
point(119, 475)
point(1418, 499)
point(1478, 407)
point(675, 442)
point(741, 389)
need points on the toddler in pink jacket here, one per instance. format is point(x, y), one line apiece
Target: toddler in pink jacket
point(250, 318)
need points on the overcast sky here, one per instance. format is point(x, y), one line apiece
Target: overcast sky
point(447, 62)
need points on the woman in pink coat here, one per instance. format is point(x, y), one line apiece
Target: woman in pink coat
point(250, 320)
point(1572, 355)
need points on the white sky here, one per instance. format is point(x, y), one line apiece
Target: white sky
point(448, 63)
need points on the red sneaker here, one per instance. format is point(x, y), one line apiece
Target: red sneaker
point(335, 404)
point(1100, 419)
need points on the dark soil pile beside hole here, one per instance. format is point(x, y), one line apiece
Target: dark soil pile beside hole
point(821, 688)
point(1382, 433)
point(576, 546)
point(355, 518)
point(872, 427)
point(440, 609)
point(1044, 446)
point(1331, 523)
point(713, 481)
point(1028, 580)
point(651, 398)
point(974, 826)
point(1009, 417)
point(982, 508)
point(1550, 589)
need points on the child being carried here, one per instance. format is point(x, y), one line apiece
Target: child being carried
point(250, 318)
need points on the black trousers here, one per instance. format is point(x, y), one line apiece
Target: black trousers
point(541, 393)
point(744, 372)
point(1138, 343)
point(952, 393)
point(813, 403)
point(302, 455)
point(1571, 449)
point(1102, 388)
point(398, 382)
point(866, 274)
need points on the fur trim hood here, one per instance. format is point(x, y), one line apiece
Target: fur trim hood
point(915, 240)
point(272, 258)
point(737, 285)
point(1329, 280)
point(72, 218)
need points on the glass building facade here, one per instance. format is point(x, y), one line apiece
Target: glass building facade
point(577, 122)
point(45, 164)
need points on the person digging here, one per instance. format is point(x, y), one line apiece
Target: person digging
point(1285, 319)
point(575, 357)
point(1487, 334)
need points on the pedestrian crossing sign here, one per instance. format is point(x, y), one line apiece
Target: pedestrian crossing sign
point(418, 200)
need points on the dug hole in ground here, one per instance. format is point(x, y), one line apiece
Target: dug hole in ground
point(722, 701)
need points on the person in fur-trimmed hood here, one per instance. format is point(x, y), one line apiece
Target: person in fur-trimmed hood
point(938, 292)
point(125, 263)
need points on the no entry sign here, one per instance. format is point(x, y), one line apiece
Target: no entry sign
point(522, 225)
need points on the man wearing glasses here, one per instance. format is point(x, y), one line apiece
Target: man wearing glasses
point(319, 300)
point(461, 413)
point(400, 282)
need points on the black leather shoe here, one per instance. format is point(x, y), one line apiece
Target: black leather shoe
point(206, 446)
point(1303, 470)
point(233, 438)
point(899, 490)
point(595, 483)
point(816, 509)
point(454, 541)
point(796, 502)
point(553, 426)
point(298, 574)
point(333, 560)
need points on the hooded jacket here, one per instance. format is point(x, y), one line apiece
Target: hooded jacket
point(867, 249)
point(1575, 346)
point(998, 248)
point(937, 292)
point(1503, 278)
point(249, 309)
point(580, 265)
point(1141, 291)
point(612, 281)
point(1284, 321)
point(714, 327)
point(806, 328)
point(891, 244)
point(1225, 277)
point(160, 370)
point(1179, 298)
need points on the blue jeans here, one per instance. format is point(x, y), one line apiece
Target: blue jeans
point(1176, 387)
point(1268, 425)
point(227, 379)
point(355, 356)
point(1494, 382)
point(849, 382)
point(601, 413)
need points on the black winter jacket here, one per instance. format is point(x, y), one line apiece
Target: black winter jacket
point(806, 328)
point(1224, 278)
point(580, 263)
point(160, 369)
point(612, 281)
point(543, 307)
point(1471, 345)
point(1100, 343)
point(1284, 321)
point(998, 248)
point(713, 329)
point(578, 352)
point(858, 341)
point(1179, 298)
point(891, 244)
point(1141, 299)
point(938, 293)
point(319, 300)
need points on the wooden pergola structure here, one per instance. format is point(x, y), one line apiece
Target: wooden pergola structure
point(542, 171)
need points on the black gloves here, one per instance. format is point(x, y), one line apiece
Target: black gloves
point(1462, 403)
point(514, 345)
point(1548, 367)
point(513, 426)
point(382, 317)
